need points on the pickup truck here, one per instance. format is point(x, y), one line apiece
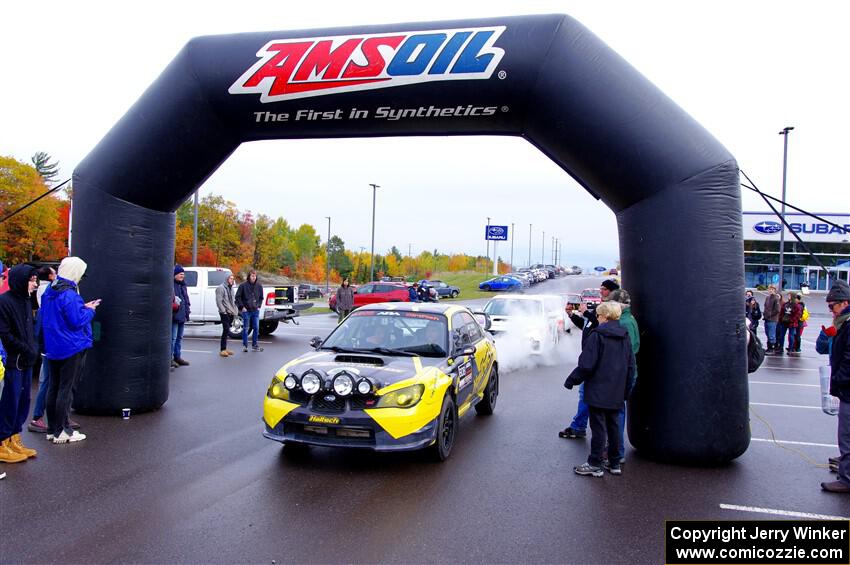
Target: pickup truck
point(280, 305)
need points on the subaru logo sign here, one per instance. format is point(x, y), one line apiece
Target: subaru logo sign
point(767, 227)
point(496, 232)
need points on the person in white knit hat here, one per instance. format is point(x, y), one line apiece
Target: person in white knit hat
point(66, 323)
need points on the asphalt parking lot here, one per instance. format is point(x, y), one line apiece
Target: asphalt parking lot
point(196, 482)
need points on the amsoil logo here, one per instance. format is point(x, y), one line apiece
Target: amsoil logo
point(301, 68)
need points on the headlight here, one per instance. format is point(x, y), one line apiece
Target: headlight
point(290, 382)
point(311, 383)
point(364, 386)
point(343, 384)
point(277, 390)
point(402, 398)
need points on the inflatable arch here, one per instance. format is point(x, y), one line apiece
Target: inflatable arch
point(673, 187)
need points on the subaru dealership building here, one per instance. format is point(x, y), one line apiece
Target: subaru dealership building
point(829, 243)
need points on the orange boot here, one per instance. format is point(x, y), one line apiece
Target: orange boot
point(18, 445)
point(7, 455)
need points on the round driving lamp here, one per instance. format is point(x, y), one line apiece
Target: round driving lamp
point(364, 386)
point(290, 382)
point(343, 384)
point(311, 383)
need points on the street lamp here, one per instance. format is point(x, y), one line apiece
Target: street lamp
point(512, 246)
point(195, 234)
point(487, 234)
point(529, 246)
point(372, 266)
point(328, 258)
point(783, 133)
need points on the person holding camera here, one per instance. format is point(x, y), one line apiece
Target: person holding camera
point(586, 322)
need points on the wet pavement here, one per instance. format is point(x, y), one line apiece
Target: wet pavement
point(196, 482)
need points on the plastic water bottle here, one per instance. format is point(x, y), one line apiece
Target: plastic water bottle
point(828, 403)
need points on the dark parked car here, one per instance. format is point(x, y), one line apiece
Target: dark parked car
point(443, 289)
point(310, 291)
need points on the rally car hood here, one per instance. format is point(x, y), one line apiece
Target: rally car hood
point(384, 370)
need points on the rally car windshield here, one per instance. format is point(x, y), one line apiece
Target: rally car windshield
point(391, 333)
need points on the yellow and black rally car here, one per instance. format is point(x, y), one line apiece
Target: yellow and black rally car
point(393, 376)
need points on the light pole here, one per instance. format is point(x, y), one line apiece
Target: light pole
point(486, 235)
point(328, 258)
point(529, 246)
point(372, 266)
point(195, 234)
point(543, 248)
point(512, 246)
point(783, 133)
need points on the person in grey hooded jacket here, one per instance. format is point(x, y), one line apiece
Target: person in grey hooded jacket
point(227, 311)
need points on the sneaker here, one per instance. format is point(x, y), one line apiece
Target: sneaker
point(65, 437)
point(223, 353)
point(833, 468)
point(588, 469)
point(244, 349)
point(174, 364)
point(570, 433)
point(2, 475)
point(835, 486)
point(37, 426)
point(180, 361)
point(614, 470)
point(49, 437)
point(229, 353)
point(257, 348)
point(834, 461)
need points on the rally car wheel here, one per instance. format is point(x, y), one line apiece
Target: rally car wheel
point(446, 430)
point(491, 394)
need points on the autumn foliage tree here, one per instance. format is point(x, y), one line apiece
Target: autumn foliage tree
point(38, 233)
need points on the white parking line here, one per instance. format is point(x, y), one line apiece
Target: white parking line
point(775, 512)
point(196, 351)
point(216, 339)
point(784, 405)
point(789, 442)
point(787, 368)
point(783, 384)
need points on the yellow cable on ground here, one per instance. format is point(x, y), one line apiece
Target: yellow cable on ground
point(791, 449)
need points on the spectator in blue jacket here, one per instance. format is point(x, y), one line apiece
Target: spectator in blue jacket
point(66, 323)
point(179, 316)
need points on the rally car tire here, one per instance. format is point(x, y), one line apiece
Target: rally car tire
point(487, 405)
point(446, 430)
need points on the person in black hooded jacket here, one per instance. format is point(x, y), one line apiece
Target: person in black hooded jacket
point(606, 366)
point(18, 336)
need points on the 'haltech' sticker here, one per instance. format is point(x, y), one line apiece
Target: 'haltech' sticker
point(324, 420)
point(314, 66)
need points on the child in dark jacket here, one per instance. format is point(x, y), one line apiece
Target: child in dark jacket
point(605, 366)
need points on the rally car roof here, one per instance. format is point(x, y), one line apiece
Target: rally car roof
point(430, 307)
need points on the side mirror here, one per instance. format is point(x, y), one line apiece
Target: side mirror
point(469, 350)
point(316, 342)
point(483, 319)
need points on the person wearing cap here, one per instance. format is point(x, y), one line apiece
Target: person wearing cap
point(66, 323)
point(838, 302)
point(179, 316)
point(587, 322)
point(18, 337)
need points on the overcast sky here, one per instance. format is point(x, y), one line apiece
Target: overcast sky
point(744, 70)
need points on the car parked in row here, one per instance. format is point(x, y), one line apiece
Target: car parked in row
point(371, 293)
point(501, 283)
point(444, 290)
point(310, 291)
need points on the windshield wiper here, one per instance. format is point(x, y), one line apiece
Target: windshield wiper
point(428, 349)
point(338, 349)
point(388, 351)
